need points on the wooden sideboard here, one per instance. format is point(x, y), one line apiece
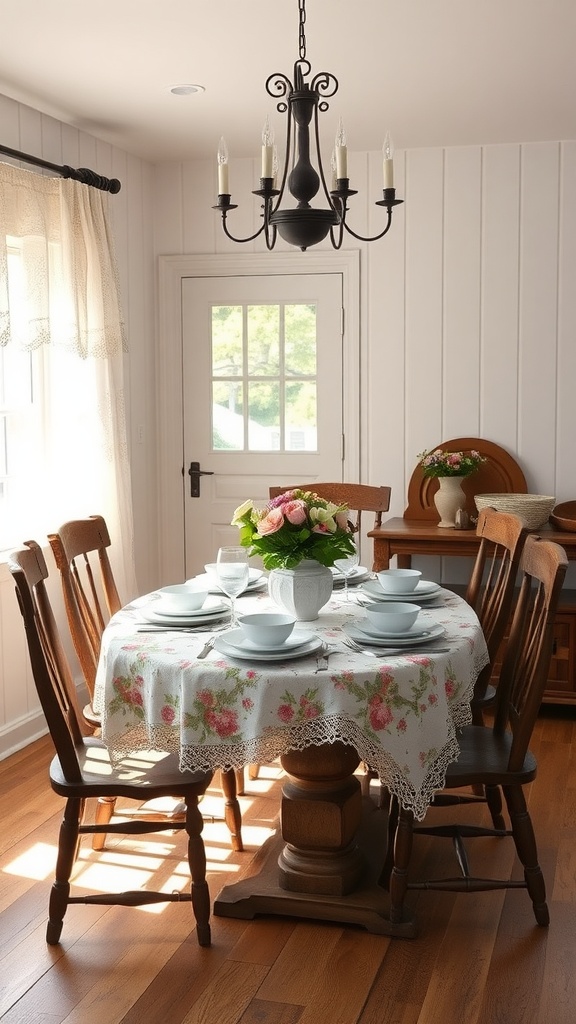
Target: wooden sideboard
point(403, 538)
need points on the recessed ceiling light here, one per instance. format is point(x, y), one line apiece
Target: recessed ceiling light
point(186, 90)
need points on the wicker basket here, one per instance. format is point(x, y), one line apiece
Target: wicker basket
point(533, 509)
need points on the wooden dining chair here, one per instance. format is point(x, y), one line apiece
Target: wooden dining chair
point(81, 768)
point(497, 756)
point(490, 591)
point(80, 549)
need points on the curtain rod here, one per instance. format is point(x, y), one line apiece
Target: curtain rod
point(83, 174)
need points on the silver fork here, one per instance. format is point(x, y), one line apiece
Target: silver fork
point(390, 651)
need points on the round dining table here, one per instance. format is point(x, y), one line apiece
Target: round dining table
point(322, 709)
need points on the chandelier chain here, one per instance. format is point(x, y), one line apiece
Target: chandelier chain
point(301, 32)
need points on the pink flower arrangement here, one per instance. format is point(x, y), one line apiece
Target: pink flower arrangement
point(294, 526)
point(441, 463)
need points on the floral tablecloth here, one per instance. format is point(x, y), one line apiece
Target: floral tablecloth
point(400, 713)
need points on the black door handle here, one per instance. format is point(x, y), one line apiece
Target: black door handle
point(195, 473)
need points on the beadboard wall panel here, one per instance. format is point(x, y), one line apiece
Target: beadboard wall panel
point(565, 456)
point(499, 339)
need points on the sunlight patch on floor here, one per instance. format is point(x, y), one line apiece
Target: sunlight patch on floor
point(37, 862)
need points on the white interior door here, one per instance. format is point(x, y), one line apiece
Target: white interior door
point(262, 395)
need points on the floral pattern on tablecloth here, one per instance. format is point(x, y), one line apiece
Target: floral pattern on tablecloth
point(401, 714)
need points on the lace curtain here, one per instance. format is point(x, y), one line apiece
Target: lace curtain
point(59, 300)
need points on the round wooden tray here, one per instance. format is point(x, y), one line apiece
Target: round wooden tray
point(564, 516)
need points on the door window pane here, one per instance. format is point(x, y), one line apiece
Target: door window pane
point(227, 416)
point(227, 335)
point(264, 416)
point(263, 328)
point(300, 416)
point(300, 339)
point(266, 353)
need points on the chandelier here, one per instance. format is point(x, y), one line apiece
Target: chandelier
point(303, 225)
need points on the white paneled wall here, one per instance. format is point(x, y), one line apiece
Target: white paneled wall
point(468, 309)
point(468, 316)
point(30, 132)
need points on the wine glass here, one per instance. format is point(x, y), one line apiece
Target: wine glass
point(233, 570)
point(346, 566)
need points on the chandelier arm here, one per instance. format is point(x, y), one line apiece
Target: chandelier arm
point(232, 238)
point(373, 238)
point(337, 241)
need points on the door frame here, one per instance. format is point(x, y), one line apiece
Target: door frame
point(169, 352)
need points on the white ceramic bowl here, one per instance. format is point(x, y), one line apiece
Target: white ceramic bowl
point(394, 617)
point(266, 629)
point(398, 581)
point(182, 598)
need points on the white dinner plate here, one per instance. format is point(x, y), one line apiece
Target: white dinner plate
point(211, 606)
point(424, 591)
point(407, 639)
point(221, 645)
point(237, 638)
point(163, 619)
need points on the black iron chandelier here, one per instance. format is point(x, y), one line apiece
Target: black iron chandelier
point(303, 225)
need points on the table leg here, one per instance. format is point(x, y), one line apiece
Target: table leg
point(381, 554)
point(404, 561)
point(232, 812)
point(326, 862)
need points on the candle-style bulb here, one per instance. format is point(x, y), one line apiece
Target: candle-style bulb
point(223, 185)
point(267, 150)
point(267, 133)
point(222, 151)
point(387, 162)
point(341, 152)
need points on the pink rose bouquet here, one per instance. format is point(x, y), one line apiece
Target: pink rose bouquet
point(295, 525)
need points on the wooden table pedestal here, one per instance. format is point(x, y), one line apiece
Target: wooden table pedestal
point(326, 862)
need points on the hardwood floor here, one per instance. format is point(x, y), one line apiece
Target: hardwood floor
point(479, 958)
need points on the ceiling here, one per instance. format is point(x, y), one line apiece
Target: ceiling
point(432, 72)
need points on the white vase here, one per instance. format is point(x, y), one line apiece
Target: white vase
point(449, 498)
point(303, 590)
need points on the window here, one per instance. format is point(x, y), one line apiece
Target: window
point(264, 377)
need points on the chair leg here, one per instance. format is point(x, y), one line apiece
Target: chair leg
point(104, 811)
point(197, 861)
point(232, 812)
point(525, 840)
point(494, 800)
point(68, 841)
point(253, 771)
point(399, 876)
point(239, 773)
